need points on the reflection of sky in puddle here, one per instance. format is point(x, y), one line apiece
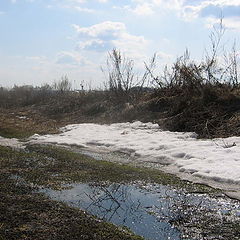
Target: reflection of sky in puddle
point(146, 211)
point(123, 205)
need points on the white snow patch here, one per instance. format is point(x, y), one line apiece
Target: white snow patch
point(217, 159)
point(10, 142)
point(22, 117)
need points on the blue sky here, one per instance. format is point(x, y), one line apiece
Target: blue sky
point(42, 40)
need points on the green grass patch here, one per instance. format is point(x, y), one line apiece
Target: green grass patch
point(61, 165)
point(51, 166)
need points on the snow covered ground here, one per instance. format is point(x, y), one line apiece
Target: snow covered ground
point(10, 142)
point(217, 159)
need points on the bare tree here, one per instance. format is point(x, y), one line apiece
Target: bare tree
point(190, 74)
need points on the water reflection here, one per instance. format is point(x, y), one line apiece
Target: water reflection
point(125, 205)
point(148, 210)
point(114, 201)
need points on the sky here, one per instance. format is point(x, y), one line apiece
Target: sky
point(43, 40)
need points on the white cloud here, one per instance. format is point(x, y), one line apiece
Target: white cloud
point(144, 9)
point(213, 7)
point(191, 9)
point(170, 4)
point(208, 10)
point(211, 11)
point(149, 7)
point(224, 2)
point(15, 1)
point(132, 46)
point(77, 5)
point(87, 10)
point(84, 1)
point(77, 1)
point(104, 30)
point(71, 58)
point(97, 45)
point(232, 23)
point(107, 35)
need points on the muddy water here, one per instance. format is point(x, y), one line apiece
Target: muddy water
point(152, 211)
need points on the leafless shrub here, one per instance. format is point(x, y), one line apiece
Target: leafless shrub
point(194, 78)
point(123, 83)
point(231, 65)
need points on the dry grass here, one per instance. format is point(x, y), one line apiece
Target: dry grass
point(212, 113)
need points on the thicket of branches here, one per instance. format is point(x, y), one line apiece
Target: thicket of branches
point(186, 77)
point(123, 84)
point(218, 67)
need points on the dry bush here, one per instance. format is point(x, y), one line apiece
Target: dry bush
point(123, 84)
point(86, 102)
point(218, 69)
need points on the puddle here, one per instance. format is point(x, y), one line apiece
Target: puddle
point(151, 210)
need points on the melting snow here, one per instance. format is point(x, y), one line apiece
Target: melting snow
point(10, 142)
point(217, 159)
